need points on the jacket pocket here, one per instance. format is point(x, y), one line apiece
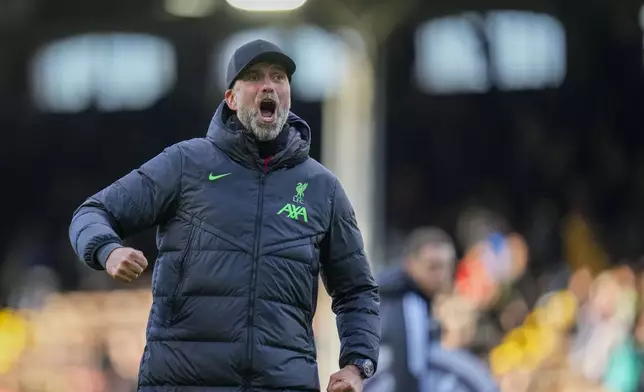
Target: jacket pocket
point(175, 306)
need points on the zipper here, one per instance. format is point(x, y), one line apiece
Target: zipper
point(253, 282)
point(315, 272)
point(179, 283)
point(309, 325)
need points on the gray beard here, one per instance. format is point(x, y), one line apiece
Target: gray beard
point(250, 119)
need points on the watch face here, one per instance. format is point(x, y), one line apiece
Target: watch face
point(367, 368)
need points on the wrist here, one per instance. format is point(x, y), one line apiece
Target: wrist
point(354, 369)
point(365, 368)
point(103, 253)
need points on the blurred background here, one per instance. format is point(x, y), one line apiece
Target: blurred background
point(514, 127)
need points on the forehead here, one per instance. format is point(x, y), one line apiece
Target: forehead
point(437, 252)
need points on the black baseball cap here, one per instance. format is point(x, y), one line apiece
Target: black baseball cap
point(256, 52)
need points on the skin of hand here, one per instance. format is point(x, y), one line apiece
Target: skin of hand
point(125, 264)
point(348, 379)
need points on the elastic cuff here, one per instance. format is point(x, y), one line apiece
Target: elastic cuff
point(104, 252)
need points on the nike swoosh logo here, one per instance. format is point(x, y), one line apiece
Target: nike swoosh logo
point(213, 177)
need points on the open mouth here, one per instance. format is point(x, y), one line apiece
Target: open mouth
point(267, 109)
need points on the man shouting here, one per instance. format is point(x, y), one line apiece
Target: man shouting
point(247, 221)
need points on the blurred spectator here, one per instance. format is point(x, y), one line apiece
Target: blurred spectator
point(406, 295)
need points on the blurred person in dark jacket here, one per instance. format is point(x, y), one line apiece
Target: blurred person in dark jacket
point(406, 293)
point(246, 223)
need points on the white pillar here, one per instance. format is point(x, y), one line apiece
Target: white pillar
point(348, 149)
point(349, 135)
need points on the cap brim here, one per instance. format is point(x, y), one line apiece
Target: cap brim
point(277, 58)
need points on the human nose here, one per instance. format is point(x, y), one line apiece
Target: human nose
point(268, 85)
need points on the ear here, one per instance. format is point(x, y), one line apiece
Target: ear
point(231, 100)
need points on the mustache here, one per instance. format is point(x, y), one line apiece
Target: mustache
point(268, 96)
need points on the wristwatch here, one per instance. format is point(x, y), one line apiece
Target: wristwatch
point(365, 366)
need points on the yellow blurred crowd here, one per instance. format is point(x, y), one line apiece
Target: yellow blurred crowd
point(583, 338)
point(62, 346)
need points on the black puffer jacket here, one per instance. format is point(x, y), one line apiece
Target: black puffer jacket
point(241, 242)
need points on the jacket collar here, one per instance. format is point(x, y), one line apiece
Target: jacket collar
point(396, 282)
point(231, 137)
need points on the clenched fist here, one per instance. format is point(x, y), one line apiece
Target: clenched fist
point(125, 264)
point(348, 379)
